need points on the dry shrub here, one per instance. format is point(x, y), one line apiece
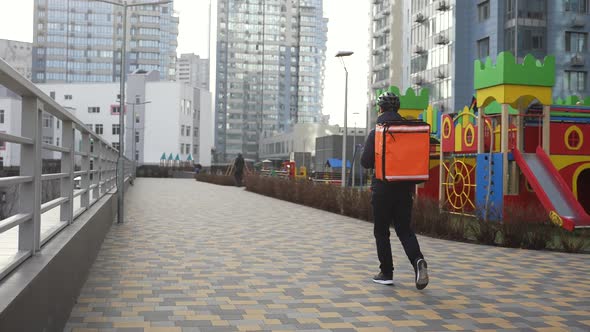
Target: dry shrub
point(221, 180)
point(525, 227)
point(485, 232)
point(429, 220)
point(572, 243)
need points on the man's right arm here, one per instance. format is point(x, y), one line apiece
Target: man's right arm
point(368, 156)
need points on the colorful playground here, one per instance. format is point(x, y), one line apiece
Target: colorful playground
point(514, 148)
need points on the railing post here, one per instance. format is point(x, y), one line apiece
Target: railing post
point(85, 180)
point(101, 184)
point(95, 168)
point(67, 166)
point(31, 165)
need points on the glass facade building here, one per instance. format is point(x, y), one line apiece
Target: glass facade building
point(445, 37)
point(80, 40)
point(270, 67)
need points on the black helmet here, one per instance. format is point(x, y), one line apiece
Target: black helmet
point(388, 101)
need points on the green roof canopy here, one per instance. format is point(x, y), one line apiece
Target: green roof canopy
point(508, 71)
point(163, 157)
point(409, 101)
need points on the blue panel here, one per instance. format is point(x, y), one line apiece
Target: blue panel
point(496, 192)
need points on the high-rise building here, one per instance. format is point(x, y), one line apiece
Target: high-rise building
point(270, 67)
point(191, 69)
point(386, 58)
point(445, 37)
point(17, 54)
point(80, 41)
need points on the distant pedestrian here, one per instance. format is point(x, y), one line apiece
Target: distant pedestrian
point(197, 170)
point(239, 169)
point(392, 202)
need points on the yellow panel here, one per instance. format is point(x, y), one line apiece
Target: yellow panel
point(510, 94)
point(410, 114)
point(563, 161)
point(458, 137)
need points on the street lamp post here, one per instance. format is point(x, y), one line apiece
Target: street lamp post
point(133, 132)
point(123, 71)
point(340, 55)
point(354, 147)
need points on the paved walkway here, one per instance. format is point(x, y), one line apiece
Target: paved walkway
point(199, 257)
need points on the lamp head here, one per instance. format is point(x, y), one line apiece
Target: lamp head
point(344, 53)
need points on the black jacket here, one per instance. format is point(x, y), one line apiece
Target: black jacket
point(368, 156)
point(239, 165)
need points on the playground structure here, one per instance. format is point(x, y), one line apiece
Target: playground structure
point(519, 149)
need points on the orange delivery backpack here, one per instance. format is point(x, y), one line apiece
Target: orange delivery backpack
point(402, 151)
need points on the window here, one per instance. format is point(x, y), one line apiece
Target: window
point(576, 42)
point(116, 129)
point(98, 129)
point(483, 11)
point(136, 136)
point(181, 147)
point(47, 123)
point(115, 145)
point(94, 109)
point(1, 116)
point(580, 6)
point(137, 118)
point(57, 122)
point(483, 48)
point(57, 141)
point(195, 149)
point(89, 126)
point(68, 97)
point(182, 132)
point(537, 40)
point(575, 80)
point(196, 132)
point(52, 94)
point(136, 154)
point(47, 139)
point(188, 131)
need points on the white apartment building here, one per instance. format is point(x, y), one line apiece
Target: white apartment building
point(160, 116)
point(19, 55)
point(191, 69)
point(10, 122)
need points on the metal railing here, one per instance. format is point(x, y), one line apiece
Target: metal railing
point(96, 171)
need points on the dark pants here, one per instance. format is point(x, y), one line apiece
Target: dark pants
point(393, 206)
point(238, 177)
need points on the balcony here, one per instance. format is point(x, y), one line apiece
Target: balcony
point(419, 18)
point(418, 80)
point(419, 50)
point(577, 60)
point(442, 6)
point(441, 39)
point(578, 22)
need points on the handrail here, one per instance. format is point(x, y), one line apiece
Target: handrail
point(96, 173)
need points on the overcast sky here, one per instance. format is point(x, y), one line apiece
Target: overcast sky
point(348, 29)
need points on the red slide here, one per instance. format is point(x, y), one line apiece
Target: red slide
point(555, 195)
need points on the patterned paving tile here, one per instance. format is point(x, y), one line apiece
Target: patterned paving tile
point(198, 257)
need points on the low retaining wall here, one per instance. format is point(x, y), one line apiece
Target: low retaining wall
point(40, 294)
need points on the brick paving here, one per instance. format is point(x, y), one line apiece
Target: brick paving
point(198, 257)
